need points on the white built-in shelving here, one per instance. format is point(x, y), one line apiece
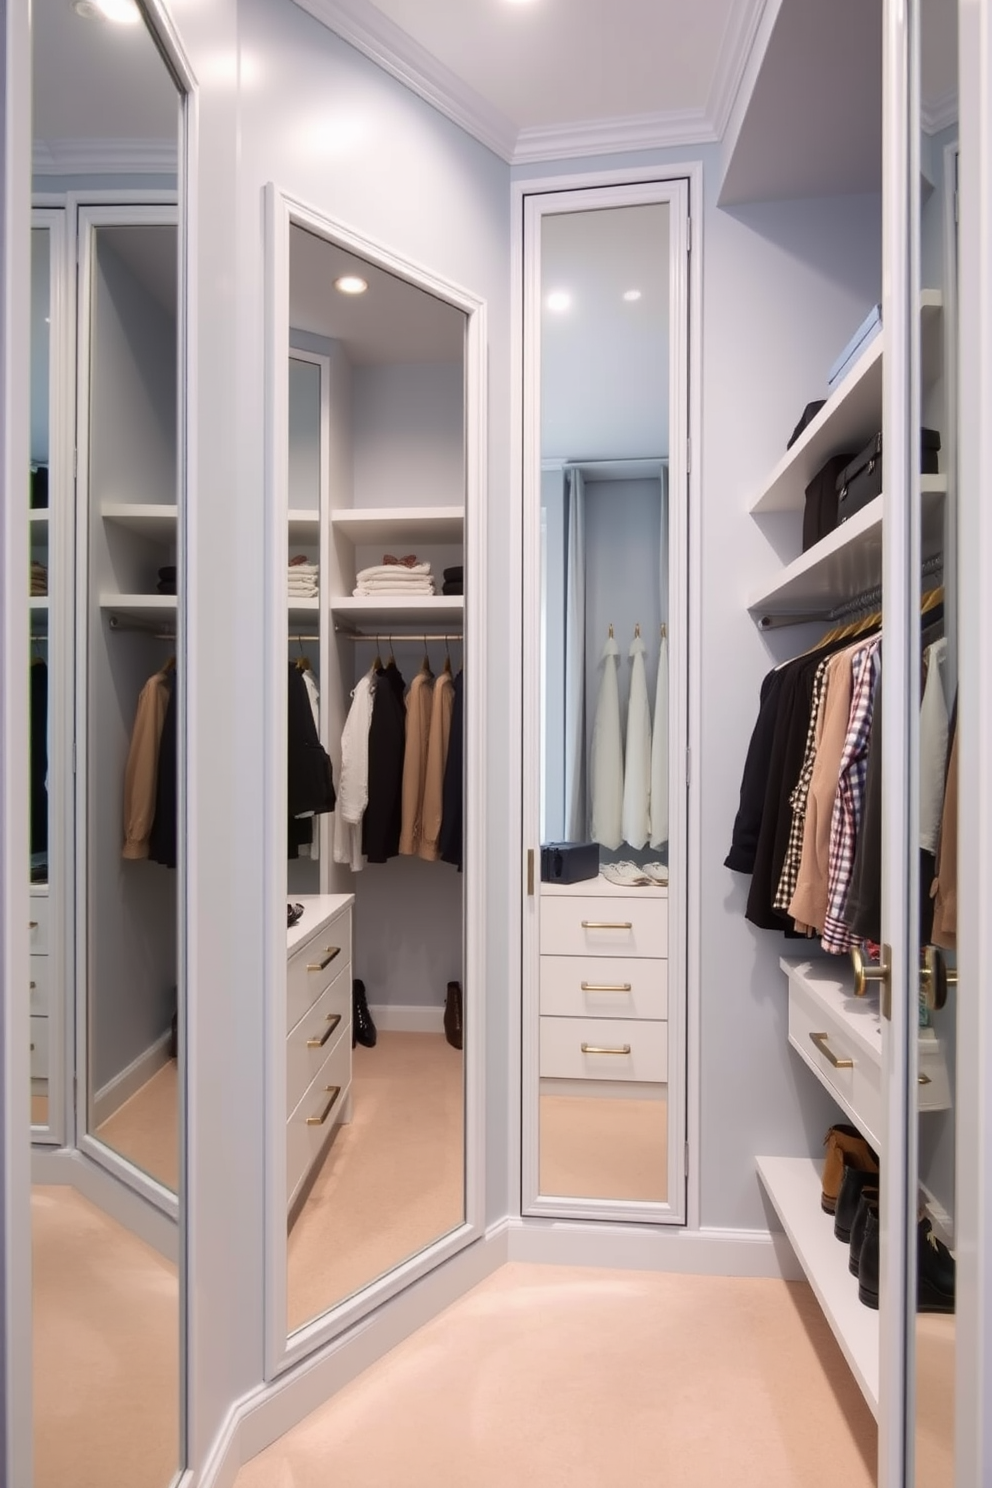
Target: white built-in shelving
point(420, 529)
point(793, 1185)
point(304, 527)
point(156, 523)
point(422, 613)
point(146, 607)
point(401, 525)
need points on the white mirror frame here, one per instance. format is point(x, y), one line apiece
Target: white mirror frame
point(534, 201)
point(283, 211)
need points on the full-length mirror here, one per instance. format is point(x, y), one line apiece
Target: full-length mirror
point(607, 305)
point(105, 494)
point(372, 1122)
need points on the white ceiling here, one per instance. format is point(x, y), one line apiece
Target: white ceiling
point(100, 87)
point(604, 362)
point(393, 322)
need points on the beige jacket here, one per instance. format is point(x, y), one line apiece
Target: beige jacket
point(418, 730)
point(437, 756)
point(809, 902)
point(141, 770)
point(945, 886)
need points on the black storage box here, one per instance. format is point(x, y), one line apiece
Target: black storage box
point(569, 862)
point(861, 482)
point(820, 511)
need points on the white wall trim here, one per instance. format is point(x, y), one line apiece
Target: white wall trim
point(703, 1252)
point(74, 157)
point(735, 52)
point(396, 52)
point(407, 1018)
point(110, 1097)
point(692, 126)
point(940, 113)
point(69, 1167)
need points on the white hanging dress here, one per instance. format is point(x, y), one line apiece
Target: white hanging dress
point(659, 753)
point(607, 755)
point(636, 820)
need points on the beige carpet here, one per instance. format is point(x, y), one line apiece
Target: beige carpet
point(145, 1129)
point(392, 1180)
point(106, 1350)
point(599, 1147)
point(574, 1378)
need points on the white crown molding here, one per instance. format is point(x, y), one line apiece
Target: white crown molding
point(940, 112)
point(613, 136)
point(396, 52)
point(105, 157)
point(735, 50)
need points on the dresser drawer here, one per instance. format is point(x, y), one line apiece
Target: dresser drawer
point(315, 1037)
point(591, 926)
point(824, 1043)
point(38, 924)
point(318, 1113)
point(635, 1051)
point(315, 966)
point(39, 1048)
point(40, 999)
point(604, 987)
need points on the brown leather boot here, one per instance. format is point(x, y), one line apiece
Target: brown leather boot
point(845, 1146)
point(453, 1015)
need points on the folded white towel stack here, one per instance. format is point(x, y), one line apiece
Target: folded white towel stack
point(303, 580)
point(395, 579)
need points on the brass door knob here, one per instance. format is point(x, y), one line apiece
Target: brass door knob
point(865, 972)
point(935, 978)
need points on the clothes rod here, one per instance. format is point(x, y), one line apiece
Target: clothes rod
point(137, 627)
point(868, 599)
point(394, 636)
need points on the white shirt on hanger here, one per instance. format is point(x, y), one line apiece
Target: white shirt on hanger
point(607, 755)
point(659, 753)
point(353, 788)
point(636, 820)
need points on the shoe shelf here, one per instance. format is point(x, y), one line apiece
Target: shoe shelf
point(849, 418)
point(846, 563)
point(793, 1185)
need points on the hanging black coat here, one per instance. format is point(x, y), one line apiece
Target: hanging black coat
point(309, 776)
point(451, 841)
point(162, 842)
point(387, 743)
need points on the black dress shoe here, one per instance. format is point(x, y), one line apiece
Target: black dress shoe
point(866, 1203)
point(935, 1284)
point(868, 1261)
point(851, 1185)
point(362, 1028)
point(453, 1015)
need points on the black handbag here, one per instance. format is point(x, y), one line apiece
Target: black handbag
point(820, 511)
point(569, 862)
point(861, 482)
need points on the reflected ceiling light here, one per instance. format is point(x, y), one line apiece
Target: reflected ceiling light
point(124, 12)
point(559, 300)
point(351, 284)
point(630, 295)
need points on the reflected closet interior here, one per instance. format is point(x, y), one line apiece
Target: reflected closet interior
point(105, 501)
point(374, 845)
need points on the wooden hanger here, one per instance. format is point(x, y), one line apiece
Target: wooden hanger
point(932, 599)
point(425, 665)
point(447, 658)
point(302, 661)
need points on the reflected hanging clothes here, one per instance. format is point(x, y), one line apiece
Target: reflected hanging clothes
point(636, 811)
point(353, 785)
point(607, 755)
point(659, 751)
point(142, 767)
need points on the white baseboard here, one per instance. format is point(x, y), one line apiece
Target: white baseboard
point(407, 1018)
point(703, 1252)
point(110, 1097)
point(269, 1412)
point(69, 1167)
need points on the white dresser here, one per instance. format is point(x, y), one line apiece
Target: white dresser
point(604, 983)
point(39, 989)
point(318, 1034)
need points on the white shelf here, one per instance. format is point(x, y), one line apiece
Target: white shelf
point(157, 523)
point(851, 415)
point(419, 614)
point(398, 525)
point(147, 607)
point(847, 562)
point(794, 1186)
point(38, 603)
point(304, 527)
point(39, 514)
point(303, 611)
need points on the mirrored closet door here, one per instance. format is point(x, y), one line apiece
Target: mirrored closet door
point(606, 338)
point(106, 493)
point(367, 1110)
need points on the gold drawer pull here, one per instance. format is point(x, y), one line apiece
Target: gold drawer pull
point(32, 924)
point(607, 925)
point(333, 1019)
point(606, 986)
point(820, 1040)
point(32, 985)
point(332, 951)
point(923, 1080)
point(605, 1049)
point(333, 1091)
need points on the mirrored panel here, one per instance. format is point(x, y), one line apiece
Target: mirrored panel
point(106, 500)
point(605, 561)
point(374, 1077)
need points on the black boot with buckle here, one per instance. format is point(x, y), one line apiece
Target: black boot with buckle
point(362, 1028)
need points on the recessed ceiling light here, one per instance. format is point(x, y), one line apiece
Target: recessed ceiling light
point(351, 284)
point(124, 12)
point(631, 295)
point(559, 300)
